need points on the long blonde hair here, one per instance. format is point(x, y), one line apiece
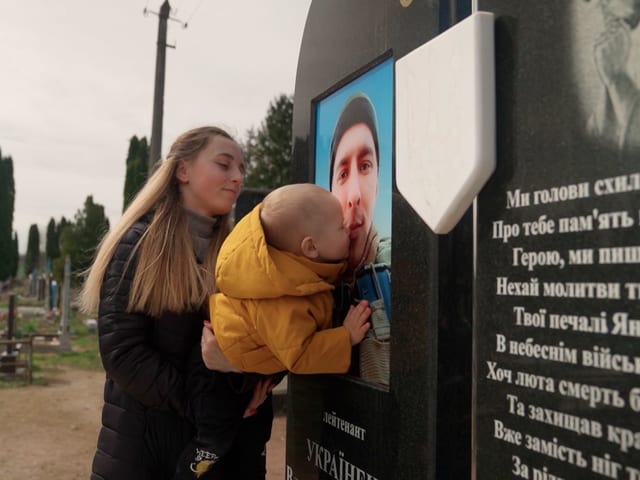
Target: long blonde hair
point(167, 276)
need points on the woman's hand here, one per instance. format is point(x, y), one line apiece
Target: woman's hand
point(260, 394)
point(211, 354)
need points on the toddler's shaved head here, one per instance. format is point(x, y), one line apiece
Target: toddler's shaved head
point(290, 213)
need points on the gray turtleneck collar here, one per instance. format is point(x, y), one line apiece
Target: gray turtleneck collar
point(201, 229)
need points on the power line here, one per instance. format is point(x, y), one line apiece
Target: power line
point(193, 13)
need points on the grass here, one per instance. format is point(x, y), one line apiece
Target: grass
point(85, 359)
point(84, 352)
point(21, 301)
point(84, 349)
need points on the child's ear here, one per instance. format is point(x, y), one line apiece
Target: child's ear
point(309, 248)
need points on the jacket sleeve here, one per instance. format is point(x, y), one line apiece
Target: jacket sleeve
point(293, 336)
point(124, 337)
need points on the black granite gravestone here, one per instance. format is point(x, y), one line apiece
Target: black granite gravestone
point(419, 424)
point(557, 329)
point(249, 197)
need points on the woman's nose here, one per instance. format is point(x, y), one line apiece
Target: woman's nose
point(237, 176)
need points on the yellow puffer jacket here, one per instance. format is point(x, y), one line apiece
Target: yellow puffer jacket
point(274, 309)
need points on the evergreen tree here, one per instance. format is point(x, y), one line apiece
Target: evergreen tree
point(7, 199)
point(52, 247)
point(16, 256)
point(57, 265)
point(32, 258)
point(136, 174)
point(91, 224)
point(80, 238)
point(61, 224)
point(66, 239)
point(268, 149)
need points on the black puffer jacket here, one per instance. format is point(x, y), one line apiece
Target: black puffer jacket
point(145, 360)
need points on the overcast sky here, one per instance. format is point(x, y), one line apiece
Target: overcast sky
point(76, 82)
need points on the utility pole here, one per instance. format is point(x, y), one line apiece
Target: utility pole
point(158, 91)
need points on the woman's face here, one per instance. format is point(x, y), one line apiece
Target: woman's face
point(355, 183)
point(210, 183)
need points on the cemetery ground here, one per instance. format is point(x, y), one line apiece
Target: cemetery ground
point(48, 430)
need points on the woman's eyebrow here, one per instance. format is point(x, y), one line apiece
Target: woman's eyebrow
point(231, 158)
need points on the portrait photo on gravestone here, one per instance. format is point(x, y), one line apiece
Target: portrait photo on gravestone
point(353, 159)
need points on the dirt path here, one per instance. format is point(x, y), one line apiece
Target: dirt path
point(49, 432)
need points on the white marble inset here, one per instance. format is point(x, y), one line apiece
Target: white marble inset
point(445, 121)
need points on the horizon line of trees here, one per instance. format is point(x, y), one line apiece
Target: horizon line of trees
point(267, 151)
point(77, 238)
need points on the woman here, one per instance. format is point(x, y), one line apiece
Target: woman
point(150, 281)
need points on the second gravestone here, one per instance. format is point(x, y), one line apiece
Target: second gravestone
point(557, 327)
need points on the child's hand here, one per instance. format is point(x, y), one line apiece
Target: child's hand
point(356, 321)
